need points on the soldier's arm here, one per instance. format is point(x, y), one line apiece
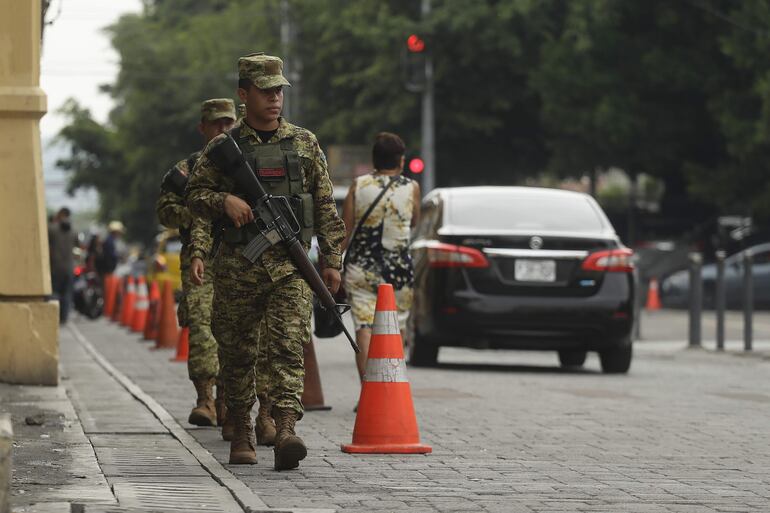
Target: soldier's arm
point(172, 211)
point(201, 239)
point(206, 191)
point(329, 227)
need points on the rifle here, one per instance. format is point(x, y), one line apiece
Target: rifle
point(276, 223)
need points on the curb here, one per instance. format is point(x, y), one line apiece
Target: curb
point(6, 446)
point(248, 500)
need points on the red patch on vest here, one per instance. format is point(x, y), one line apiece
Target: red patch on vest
point(271, 172)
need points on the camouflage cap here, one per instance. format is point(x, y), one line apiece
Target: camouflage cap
point(264, 71)
point(217, 108)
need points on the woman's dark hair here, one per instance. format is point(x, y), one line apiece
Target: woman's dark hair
point(387, 151)
point(244, 83)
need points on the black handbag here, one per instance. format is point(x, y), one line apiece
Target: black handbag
point(326, 325)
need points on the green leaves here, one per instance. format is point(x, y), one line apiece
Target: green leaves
point(678, 90)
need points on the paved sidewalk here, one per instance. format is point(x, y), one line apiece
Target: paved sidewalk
point(97, 443)
point(684, 431)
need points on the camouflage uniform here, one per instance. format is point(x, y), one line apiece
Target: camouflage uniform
point(201, 232)
point(194, 309)
point(195, 306)
point(271, 290)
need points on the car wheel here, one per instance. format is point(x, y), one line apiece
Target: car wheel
point(617, 359)
point(421, 352)
point(572, 358)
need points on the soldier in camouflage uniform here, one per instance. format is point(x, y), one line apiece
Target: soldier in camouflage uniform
point(264, 425)
point(266, 304)
point(194, 311)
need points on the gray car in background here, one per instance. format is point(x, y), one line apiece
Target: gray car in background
point(675, 289)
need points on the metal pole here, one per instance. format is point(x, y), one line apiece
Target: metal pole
point(428, 117)
point(696, 299)
point(748, 302)
point(719, 300)
point(285, 55)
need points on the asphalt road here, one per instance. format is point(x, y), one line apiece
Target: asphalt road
point(685, 430)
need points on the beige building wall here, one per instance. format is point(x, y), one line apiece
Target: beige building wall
point(28, 322)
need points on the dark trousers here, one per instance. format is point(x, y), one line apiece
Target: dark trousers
point(62, 290)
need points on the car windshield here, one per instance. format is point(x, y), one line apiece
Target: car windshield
point(514, 211)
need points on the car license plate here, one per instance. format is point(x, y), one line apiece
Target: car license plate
point(535, 270)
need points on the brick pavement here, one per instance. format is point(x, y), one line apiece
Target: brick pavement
point(684, 431)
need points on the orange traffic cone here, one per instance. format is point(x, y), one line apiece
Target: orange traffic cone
point(168, 330)
point(385, 422)
point(653, 295)
point(110, 288)
point(128, 303)
point(153, 313)
point(120, 292)
point(313, 396)
point(141, 307)
point(182, 346)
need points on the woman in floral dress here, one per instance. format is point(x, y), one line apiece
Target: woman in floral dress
point(379, 250)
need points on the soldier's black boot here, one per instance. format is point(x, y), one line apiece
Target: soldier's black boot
point(219, 403)
point(204, 413)
point(289, 449)
point(264, 426)
point(242, 446)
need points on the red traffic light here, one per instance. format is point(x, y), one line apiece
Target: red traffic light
point(416, 165)
point(415, 44)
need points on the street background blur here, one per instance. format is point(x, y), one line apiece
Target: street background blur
point(657, 108)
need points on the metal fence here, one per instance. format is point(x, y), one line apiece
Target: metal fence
point(720, 300)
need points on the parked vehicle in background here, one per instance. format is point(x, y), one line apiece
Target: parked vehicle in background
point(521, 268)
point(165, 263)
point(675, 288)
point(87, 294)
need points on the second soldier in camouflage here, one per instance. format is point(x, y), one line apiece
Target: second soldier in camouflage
point(217, 115)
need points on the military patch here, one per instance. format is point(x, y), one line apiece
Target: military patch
point(271, 172)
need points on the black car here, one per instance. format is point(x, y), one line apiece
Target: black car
point(520, 268)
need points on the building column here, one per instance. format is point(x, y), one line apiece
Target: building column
point(29, 322)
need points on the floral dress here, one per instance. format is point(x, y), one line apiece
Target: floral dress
point(379, 251)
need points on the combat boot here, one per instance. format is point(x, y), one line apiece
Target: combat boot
point(242, 446)
point(219, 404)
point(264, 426)
point(289, 448)
point(204, 413)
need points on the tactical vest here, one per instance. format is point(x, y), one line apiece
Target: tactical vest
point(277, 167)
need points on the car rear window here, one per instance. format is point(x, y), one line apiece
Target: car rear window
point(511, 211)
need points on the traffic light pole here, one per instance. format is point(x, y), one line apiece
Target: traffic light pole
point(428, 119)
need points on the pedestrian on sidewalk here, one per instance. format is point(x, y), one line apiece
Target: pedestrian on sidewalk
point(266, 303)
point(380, 210)
point(109, 254)
point(62, 239)
point(194, 312)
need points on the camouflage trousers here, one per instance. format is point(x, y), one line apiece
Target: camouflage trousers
point(261, 328)
point(195, 313)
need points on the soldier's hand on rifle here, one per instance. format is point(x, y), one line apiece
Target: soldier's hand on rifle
point(197, 269)
point(238, 210)
point(332, 279)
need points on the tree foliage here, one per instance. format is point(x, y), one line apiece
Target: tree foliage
point(678, 89)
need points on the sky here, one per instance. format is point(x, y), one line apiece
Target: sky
point(76, 59)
